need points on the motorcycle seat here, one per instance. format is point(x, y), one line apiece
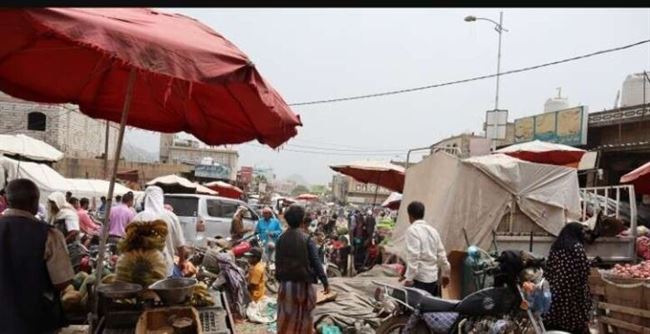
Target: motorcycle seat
point(433, 304)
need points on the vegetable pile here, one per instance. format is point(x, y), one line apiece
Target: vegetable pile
point(641, 270)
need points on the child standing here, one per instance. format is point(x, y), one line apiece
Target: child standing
point(256, 274)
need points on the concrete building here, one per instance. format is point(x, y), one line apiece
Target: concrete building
point(192, 152)
point(622, 138)
point(348, 190)
point(62, 126)
point(466, 144)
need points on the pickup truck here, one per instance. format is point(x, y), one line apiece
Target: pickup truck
point(614, 201)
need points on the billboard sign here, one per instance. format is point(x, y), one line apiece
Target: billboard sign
point(215, 171)
point(495, 124)
point(567, 126)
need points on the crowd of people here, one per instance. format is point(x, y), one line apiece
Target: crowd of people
point(38, 257)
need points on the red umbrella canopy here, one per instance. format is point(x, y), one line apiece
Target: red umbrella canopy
point(381, 173)
point(544, 152)
point(393, 201)
point(225, 189)
point(307, 197)
point(188, 77)
point(640, 178)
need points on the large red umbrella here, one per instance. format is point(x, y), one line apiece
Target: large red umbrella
point(381, 173)
point(384, 174)
point(225, 189)
point(544, 152)
point(172, 72)
point(640, 178)
point(393, 201)
point(307, 197)
point(187, 77)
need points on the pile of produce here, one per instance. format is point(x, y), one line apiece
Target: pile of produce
point(641, 270)
point(142, 261)
point(201, 297)
point(643, 247)
point(75, 295)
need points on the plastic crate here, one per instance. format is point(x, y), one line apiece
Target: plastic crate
point(214, 321)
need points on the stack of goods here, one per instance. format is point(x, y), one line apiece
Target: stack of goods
point(142, 261)
point(201, 296)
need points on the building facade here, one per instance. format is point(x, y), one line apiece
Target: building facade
point(192, 152)
point(348, 190)
point(60, 125)
point(622, 138)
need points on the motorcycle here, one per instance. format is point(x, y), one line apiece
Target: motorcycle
point(514, 304)
point(238, 249)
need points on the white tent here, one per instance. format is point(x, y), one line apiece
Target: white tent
point(95, 188)
point(46, 178)
point(476, 195)
point(28, 147)
point(177, 182)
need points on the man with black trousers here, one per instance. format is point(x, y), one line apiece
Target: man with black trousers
point(34, 265)
point(425, 253)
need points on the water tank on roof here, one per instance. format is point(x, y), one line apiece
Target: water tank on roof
point(632, 93)
point(556, 103)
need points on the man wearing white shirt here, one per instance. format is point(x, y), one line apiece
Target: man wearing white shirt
point(425, 253)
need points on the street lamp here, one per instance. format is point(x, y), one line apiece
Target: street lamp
point(498, 27)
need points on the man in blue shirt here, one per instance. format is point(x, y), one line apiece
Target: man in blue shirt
point(268, 227)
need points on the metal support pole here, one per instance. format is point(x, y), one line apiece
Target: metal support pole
point(111, 188)
point(108, 132)
point(500, 31)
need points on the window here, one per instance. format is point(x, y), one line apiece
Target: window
point(36, 121)
point(214, 209)
point(183, 206)
point(228, 209)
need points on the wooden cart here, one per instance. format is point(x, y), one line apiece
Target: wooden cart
point(623, 305)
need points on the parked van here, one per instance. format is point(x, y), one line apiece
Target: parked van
point(207, 216)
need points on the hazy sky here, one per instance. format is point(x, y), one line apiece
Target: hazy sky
point(312, 54)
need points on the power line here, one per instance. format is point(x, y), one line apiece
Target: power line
point(360, 148)
point(332, 153)
point(342, 149)
point(449, 83)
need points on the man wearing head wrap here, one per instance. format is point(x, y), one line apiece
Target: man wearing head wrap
point(154, 209)
point(63, 216)
point(268, 227)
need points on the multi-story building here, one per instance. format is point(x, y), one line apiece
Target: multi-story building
point(60, 125)
point(348, 190)
point(216, 162)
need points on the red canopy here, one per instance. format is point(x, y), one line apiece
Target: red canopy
point(544, 152)
point(640, 178)
point(189, 78)
point(307, 197)
point(381, 173)
point(225, 189)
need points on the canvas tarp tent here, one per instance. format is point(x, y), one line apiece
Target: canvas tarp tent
point(476, 195)
point(48, 180)
point(95, 188)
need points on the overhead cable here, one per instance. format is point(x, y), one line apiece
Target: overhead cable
point(455, 82)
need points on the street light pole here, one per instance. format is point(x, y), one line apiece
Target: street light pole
point(499, 29)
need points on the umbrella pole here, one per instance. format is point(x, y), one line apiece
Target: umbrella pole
point(111, 188)
point(374, 201)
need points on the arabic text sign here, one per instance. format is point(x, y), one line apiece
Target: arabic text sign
point(212, 171)
point(568, 127)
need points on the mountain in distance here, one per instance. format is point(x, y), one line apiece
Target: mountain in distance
point(136, 154)
point(297, 179)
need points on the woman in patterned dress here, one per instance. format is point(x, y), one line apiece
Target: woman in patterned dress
point(567, 271)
